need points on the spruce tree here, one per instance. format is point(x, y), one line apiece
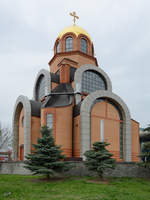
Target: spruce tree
point(145, 155)
point(99, 158)
point(47, 157)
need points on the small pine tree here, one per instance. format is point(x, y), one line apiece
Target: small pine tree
point(99, 158)
point(47, 157)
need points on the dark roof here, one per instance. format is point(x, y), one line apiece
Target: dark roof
point(76, 109)
point(61, 99)
point(35, 108)
point(54, 77)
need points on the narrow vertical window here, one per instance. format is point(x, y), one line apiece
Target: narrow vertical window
point(68, 44)
point(83, 45)
point(121, 139)
point(57, 47)
point(102, 130)
point(23, 121)
point(49, 121)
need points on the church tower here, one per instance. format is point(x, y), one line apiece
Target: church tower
point(75, 100)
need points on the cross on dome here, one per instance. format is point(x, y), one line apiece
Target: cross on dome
point(73, 14)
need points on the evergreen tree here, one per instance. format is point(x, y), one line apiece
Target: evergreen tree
point(147, 128)
point(47, 157)
point(145, 155)
point(99, 158)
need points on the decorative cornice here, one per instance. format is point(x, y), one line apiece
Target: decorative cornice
point(72, 53)
point(67, 61)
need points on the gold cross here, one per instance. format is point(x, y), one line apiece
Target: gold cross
point(73, 14)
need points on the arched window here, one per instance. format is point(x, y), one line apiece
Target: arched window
point(68, 44)
point(83, 45)
point(40, 91)
point(117, 118)
point(92, 81)
point(57, 47)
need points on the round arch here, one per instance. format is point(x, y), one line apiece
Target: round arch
point(89, 43)
point(55, 46)
point(63, 40)
point(22, 102)
point(47, 76)
point(85, 123)
point(78, 78)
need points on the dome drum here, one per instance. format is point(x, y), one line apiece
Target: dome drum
point(77, 35)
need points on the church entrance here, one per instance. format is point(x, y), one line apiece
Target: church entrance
point(22, 152)
point(107, 125)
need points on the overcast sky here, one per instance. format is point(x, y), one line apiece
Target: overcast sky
point(120, 30)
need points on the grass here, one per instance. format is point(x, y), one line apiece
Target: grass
point(19, 187)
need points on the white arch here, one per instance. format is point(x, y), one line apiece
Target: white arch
point(78, 78)
point(47, 76)
point(85, 112)
point(22, 102)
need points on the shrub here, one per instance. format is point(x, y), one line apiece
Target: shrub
point(47, 157)
point(99, 158)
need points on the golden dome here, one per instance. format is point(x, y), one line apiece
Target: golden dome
point(74, 29)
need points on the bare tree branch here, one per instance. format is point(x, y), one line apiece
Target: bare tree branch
point(5, 138)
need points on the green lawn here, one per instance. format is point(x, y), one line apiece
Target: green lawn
point(29, 187)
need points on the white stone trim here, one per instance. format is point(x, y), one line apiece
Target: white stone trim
point(22, 102)
point(78, 78)
point(47, 76)
point(85, 123)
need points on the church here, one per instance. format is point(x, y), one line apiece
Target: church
point(74, 99)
